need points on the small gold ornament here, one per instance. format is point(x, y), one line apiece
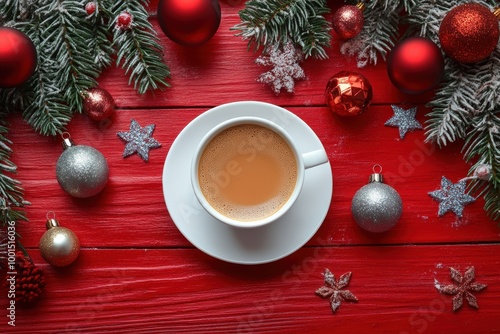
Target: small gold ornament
point(59, 246)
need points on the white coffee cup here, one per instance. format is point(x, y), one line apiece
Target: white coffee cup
point(303, 160)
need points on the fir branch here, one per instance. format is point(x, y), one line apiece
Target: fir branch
point(66, 35)
point(376, 38)
point(11, 192)
point(14, 10)
point(271, 24)
point(100, 46)
point(139, 52)
point(45, 108)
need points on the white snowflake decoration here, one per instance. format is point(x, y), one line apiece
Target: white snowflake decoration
point(286, 69)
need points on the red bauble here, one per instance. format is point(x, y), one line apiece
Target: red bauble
point(98, 104)
point(348, 93)
point(17, 57)
point(348, 21)
point(415, 65)
point(469, 33)
point(189, 22)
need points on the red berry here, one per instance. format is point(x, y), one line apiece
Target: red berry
point(124, 20)
point(90, 8)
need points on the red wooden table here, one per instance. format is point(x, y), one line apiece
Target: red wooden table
point(137, 274)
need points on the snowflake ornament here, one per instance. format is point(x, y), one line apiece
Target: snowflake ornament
point(286, 69)
point(451, 197)
point(138, 140)
point(335, 289)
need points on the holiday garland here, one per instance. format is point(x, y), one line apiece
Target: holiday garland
point(75, 41)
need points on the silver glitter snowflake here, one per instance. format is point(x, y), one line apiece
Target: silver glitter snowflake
point(138, 140)
point(404, 120)
point(451, 197)
point(286, 69)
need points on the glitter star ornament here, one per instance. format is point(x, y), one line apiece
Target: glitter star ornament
point(463, 288)
point(335, 289)
point(138, 140)
point(286, 69)
point(404, 120)
point(451, 197)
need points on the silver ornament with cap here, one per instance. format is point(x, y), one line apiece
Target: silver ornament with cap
point(82, 171)
point(377, 207)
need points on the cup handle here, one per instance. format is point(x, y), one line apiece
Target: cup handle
point(314, 158)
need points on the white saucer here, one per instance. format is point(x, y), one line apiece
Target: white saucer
point(245, 246)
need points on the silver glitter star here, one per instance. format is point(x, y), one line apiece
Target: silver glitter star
point(404, 120)
point(139, 140)
point(451, 197)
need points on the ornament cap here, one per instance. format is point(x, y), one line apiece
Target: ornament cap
point(51, 220)
point(67, 141)
point(496, 12)
point(361, 6)
point(377, 175)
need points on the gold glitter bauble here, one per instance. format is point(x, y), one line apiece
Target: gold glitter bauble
point(59, 246)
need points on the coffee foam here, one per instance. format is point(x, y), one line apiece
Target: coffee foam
point(244, 143)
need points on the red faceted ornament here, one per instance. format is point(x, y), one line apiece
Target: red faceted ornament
point(98, 104)
point(469, 33)
point(415, 65)
point(348, 21)
point(189, 22)
point(18, 57)
point(348, 93)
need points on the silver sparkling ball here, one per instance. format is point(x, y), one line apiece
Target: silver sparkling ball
point(377, 207)
point(59, 246)
point(82, 171)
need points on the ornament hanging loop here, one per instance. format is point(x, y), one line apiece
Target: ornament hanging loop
point(51, 220)
point(376, 176)
point(67, 142)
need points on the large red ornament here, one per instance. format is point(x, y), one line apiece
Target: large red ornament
point(98, 104)
point(189, 22)
point(415, 65)
point(348, 21)
point(348, 93)
point(469, 33)
point(17, 57)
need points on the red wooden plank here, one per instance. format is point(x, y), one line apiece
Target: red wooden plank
point(182, 291)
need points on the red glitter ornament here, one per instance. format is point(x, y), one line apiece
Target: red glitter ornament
point(415, 65)
point(98, 104)
point(348, 93)
point(348, 20)
point(124, 20)
point(90, 8)
point(189, 22)
point(469, 33)
point(18, 57)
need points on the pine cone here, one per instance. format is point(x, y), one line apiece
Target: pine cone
point(30, 281)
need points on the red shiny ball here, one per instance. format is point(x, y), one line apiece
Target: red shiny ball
point(415, 65)
point(98, 104)
point(348, 93)
point(348, 21)
point(18, 57)
point(469, 33)
point(189, 22)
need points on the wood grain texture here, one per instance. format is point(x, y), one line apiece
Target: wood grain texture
point(138, 274)
point(153, 291)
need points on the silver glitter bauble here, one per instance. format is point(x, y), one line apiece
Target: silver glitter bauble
point(59, 246)
point(376, 207)
point(82, 171)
